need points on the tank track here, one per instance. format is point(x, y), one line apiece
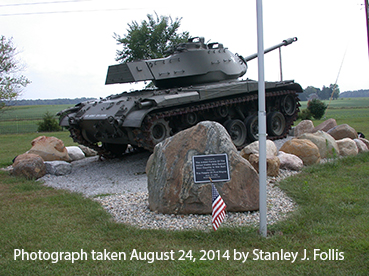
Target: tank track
point(144, 137)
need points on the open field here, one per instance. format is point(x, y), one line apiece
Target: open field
point(24, 119)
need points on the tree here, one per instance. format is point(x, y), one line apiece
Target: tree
point(336, 91)
point(11, 82)
point(152, 39)
point(308, 91)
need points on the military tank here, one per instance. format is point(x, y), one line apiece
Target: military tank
point(195, 82)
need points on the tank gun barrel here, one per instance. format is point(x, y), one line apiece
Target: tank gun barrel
point(285, 42)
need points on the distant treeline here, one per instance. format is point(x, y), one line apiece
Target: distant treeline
point(46, 102)
point(355, 94)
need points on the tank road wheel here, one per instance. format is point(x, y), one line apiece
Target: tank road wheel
point(222, 111)
point(276, 123)
point(237, 131)
point(252, 126)
point(190, 118)
point(116, 150)
point(159, 130)
point(288, 105)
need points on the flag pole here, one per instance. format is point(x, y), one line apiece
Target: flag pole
point(262, 120)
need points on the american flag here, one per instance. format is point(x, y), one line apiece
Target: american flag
point(218, 208)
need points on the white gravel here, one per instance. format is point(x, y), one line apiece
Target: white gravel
point(120, 185)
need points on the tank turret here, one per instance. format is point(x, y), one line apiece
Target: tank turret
point(195, 82)
point(190, 63)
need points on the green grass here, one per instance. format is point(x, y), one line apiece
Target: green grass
point(332, 214)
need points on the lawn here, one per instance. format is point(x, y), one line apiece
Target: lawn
point(330, 226)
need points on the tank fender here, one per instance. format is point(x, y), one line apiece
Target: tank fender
point(135, 117)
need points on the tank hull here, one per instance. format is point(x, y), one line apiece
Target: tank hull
point(144, 118)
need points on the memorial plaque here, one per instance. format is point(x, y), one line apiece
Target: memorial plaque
point(214, 166)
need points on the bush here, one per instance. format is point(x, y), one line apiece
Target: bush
point(317, 108)
point(304, 114)
point(49, 123)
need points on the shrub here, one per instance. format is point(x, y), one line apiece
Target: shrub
point(317, 108)
point(304, 114)
point(48, 123)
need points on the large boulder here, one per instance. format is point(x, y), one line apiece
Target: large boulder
point(343, 131)
point(365, 141)
point(29, 165)
point(306, 150)
point(273, 163)
point(170, 173)
point(361, 146)
point(290, 161)
point(347, 147)
point(303, 127)
point(326, 144)
point(325, 126)
point(49, 148)
point(253, 148)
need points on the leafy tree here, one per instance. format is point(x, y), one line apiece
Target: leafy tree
point(151, 39)
point(48, 123)
point(11, 82)
point(307, 92)
point(317, 108)
point(336, 91)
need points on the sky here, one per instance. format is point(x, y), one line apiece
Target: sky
point(65, 46)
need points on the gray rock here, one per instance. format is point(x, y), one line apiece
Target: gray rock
point(88, 151)
point(343, 131)
point(325, 126)
point(361, 146)
point(290, 161)
point(170, 173)
point(58, 167)
point(347, 147)
point(75, 153)
point(303, 127)
point(253, 148)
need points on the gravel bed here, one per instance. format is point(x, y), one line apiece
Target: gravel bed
point(133, 209)
point(120, 185)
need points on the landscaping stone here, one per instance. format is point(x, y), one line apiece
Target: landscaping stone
point(343, 131)
point(170, 173)
point(306, 150)
point(290, 161)
point(326, 144)
point(29, 165)
point(58, 167)
point(347, 147)
point(303, 127)
point(50, 149)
